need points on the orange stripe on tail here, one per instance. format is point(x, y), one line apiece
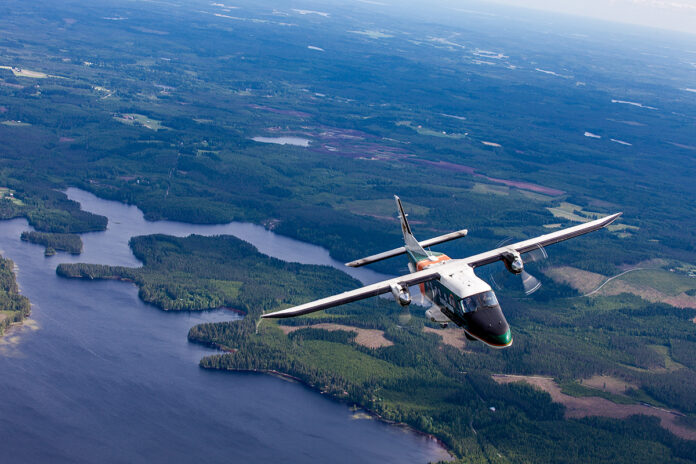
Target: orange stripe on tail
point(424, 263)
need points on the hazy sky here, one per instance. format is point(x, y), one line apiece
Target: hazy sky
point(678, 15)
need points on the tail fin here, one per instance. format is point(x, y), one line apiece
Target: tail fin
point(410, 241)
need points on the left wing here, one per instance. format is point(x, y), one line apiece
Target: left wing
point(492, 256)
point(368, 291)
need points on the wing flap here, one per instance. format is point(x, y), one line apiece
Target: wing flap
point(525, 246)
point(361, 293)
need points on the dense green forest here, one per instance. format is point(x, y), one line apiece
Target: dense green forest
point(47, 210)
point(72, 243)
point(13, 306)
point(433, 387)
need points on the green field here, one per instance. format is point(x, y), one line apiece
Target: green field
point(670, 283)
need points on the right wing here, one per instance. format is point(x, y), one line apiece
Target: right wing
point(525, 246)
point(367, 291)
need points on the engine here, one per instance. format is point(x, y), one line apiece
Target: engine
point(401, 294)
point(513, 261)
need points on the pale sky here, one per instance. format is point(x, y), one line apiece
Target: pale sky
point(677, 15)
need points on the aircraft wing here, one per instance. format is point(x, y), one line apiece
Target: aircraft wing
point(525, 246)
point(365, 292)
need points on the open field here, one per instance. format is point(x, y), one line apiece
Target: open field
point(573, 212)
point(450, 336)
point(608, 383)
point(595, 406)
point(670, 364)
point(15, 124)
point(10, 194)
point(656, 285)
point(431, 132)
point(135, 119)
point(19, 72)
point(370, 338)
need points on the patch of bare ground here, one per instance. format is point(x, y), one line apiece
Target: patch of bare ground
point(370, 338)
point(451, 336)
point(582, 281)
point(608, 383)
point(589, 282)
point(595, 406)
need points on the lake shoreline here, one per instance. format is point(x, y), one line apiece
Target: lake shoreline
point(371, 413)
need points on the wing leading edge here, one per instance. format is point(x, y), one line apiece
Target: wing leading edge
point(364, 292)
point(525, 246)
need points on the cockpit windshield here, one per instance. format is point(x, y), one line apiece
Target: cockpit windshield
point(488, 299)
point(480, 300)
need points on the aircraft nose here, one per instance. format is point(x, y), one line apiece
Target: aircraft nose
point(490, 326)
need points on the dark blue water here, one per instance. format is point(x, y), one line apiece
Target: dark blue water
point(98, 376)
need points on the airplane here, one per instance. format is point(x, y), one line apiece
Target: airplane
point(458, 295)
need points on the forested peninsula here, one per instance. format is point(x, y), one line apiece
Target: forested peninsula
point(13, 306)
point(413, 377)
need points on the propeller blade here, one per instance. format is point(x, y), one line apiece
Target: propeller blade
point(530, 283)
point(535, 256)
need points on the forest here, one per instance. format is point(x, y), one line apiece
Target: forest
point(72, 243)
point(13, 306)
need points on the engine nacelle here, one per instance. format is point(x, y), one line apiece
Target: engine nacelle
point(513, 261)
point(401, 294)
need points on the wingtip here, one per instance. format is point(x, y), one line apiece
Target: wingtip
point(613, 218)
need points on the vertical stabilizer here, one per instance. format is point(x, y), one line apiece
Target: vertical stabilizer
point(410, 241)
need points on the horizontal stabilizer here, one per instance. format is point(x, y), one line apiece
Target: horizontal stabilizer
point(402, 250)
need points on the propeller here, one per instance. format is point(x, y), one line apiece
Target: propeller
point(406, 297)
point(404, 315)
point(516, 265)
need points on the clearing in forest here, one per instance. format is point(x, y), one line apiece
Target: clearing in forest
point(578, 407)
point(370, 338)
point(450, 336)
point(654, 285)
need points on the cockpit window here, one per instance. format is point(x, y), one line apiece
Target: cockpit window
point(468, 304)
point(489, 299)
point(480, 300)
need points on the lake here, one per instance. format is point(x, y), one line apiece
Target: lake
point(297, 141)
point(99, 376)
